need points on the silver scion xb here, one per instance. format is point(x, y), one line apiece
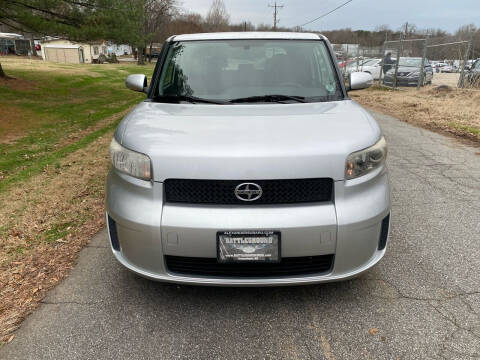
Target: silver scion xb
point(248, 164)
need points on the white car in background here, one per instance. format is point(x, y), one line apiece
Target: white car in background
point(448, 69)
point(437, 67)
point(372, 66)
point(353, 66)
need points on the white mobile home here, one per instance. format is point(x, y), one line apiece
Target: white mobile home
point(66, 51)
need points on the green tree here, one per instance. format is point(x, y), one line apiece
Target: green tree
point(76, 20)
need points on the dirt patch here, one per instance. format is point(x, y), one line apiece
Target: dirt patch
point(14, 123)
point(440, 90)
point(450, 79)
point(443, 108)
point(19, 63)
point(45, 222)
point(18, 84)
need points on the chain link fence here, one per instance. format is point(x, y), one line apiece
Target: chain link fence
point(354, 58)
point(412, 62)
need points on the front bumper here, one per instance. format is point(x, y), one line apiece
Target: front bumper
point(402, 81)
point(147, 229)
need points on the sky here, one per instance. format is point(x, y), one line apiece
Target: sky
point(358, 14)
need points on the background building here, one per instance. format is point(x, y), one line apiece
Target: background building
point(119, 50)
point(66, 51)
point(14, 44)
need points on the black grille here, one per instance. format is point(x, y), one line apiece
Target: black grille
point(292, 266)
point(274, 191)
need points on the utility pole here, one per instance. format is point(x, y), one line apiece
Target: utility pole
point(421, 78)
point(275, 14)
point(465, 59)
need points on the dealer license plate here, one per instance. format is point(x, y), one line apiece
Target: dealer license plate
point(248, 246)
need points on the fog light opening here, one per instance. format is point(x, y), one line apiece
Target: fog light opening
point(112, 230)
point(384, 233)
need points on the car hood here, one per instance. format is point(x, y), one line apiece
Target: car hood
point(271, 141)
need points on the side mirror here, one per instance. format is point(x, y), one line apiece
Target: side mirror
point(360, 80)
point(137, 82)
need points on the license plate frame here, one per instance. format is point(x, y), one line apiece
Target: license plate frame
point(268, 257)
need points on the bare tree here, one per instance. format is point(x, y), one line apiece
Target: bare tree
point(382, 28)
point(149, 17)
point(158, 13)
point(264, 27)
point(218, 18)
point(186, 23)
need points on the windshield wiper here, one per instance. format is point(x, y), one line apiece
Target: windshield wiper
point(269, 98)
point(188, 98)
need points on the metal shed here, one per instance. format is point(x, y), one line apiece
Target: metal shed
point(65, 54)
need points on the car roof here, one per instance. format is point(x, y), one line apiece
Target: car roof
point(248, 35)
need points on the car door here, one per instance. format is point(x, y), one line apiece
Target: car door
point(376, 69)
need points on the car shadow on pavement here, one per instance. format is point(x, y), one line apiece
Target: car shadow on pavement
point(232, 296)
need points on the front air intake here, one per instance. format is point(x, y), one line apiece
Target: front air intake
point(112, 230)
point(289, 266)
point(384, 233)
point(222, 192)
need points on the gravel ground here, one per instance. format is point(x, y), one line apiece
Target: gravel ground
point(446, 79)
point(421, 302)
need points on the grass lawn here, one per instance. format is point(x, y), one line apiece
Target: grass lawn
point(45, 114)
point(444, 109)
point(56, 122)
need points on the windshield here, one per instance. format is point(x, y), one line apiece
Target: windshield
point(225, 70)
point(410, 62)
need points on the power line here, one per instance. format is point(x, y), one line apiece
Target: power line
point(328, 13)
point(275, 14)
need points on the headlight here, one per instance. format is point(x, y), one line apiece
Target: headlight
point(130, 162)
point(364, 161)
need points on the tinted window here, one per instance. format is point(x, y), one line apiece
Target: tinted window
point(230, 69)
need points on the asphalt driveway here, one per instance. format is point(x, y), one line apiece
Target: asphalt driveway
point(421, 302)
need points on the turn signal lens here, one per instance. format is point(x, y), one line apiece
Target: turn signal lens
point(364, 161)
